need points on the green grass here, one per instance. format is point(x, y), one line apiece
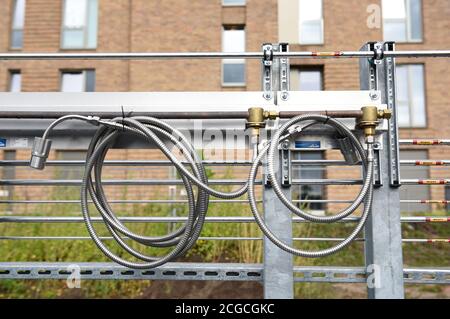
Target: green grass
point(415, 255)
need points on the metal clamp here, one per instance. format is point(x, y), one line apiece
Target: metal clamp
point(378, 52)
point(267, 71)
point(285, 158)
point(284, 73)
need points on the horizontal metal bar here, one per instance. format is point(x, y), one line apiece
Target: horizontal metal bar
point(204, 271)
point(123, 163)
point(179, 219)
point(228, 238)
point(26, 114)
point(161, 201)
point(425, 181)
point(424, 142)
point(149, 219)
point(216, 55)
point(425, 162)
point(167, 163)
point(77, 182)
point(215, 163)
point(425, 201)
point(70, 182)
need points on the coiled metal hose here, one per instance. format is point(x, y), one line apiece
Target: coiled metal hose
point(182, 239)
point(366, 193)
point(153, 130)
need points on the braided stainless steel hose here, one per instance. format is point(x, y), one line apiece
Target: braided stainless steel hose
point(153, 130)
point(366, 193)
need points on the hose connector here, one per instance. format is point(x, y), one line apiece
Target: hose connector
point(255, 121)
point(39, 153)
point(369, 119)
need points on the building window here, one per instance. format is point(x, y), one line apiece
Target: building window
point(233, 2)
point(402, 20)
point(310, 22)
point(15, 81)
point(233, 70)
point(18, 20)
point(308, 79)
point(411, 95)
point(78, 81)
point(79, 29)
point(309, 192)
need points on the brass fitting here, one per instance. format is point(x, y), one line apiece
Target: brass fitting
point(255, 120)
point(271, 115)
point(385, 114)
point(369, 119)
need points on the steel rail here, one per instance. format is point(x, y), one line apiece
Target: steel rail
point(164, 182)
point(180, 219)
point(231, 238)
point(218, 55)
point(216, 163)
point(424, 142)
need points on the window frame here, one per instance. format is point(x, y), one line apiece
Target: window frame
point(322, 26)
point(307, 68)
point(234, 5)
point(73, 71)
point(411, 113)
point(11, 75)
point(85, 28)
point(13, 28)
point(233, 61)
point(408, 25)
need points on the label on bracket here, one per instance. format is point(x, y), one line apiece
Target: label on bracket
point(307, 144)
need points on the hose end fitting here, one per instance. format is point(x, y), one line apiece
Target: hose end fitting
point(39, 153)
point(255, 121)
point(369, 119)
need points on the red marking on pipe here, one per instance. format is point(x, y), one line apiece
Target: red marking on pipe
point(429, 163)
point(437, 219)
point(432, 182)
point(427, 142)
point(433, 201)
point(438, 240)
point(324, 53)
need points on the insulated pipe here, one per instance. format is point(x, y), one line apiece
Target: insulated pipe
point(170, 115)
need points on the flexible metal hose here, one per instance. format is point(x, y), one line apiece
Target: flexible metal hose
point(154, 131)
point(182, 239)
point(366, 193)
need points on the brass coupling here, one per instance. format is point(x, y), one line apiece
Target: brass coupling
point(257, 117)
point(370, 117)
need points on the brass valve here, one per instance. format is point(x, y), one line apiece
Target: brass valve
point(369, 119)
point(257, 117)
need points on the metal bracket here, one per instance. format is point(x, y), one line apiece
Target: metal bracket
point(267, 64)
point(394, 156)
point(285, 158)
point(284, 73)
point(378, 53)
point(377, 181)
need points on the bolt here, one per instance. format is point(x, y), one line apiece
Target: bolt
point(284, 96)
point(373, 95)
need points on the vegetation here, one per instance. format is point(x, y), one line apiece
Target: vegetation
point(249, 251)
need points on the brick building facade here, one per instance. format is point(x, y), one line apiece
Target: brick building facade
point(182, 25)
